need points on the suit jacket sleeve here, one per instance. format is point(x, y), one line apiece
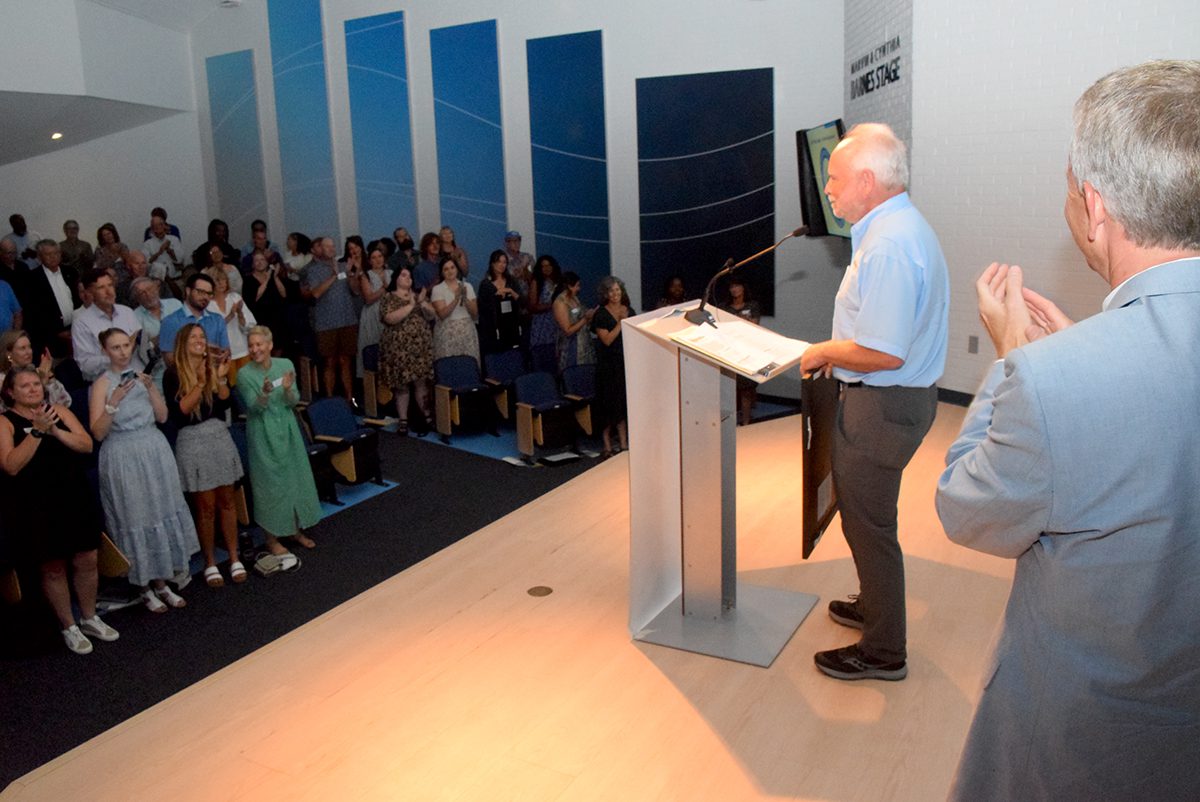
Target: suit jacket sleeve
point(996, 493)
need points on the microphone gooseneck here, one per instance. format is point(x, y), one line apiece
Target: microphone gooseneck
point(700, 315)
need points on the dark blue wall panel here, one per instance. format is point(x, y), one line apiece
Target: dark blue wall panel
point(706, 179)
point(466, 90)
point(570, 178)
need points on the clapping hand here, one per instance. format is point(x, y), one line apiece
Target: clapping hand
point(46, 419)
point(289, 378)
point(1047, 317)
point(1003, 308)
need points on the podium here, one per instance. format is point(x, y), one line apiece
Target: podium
point(684, 591)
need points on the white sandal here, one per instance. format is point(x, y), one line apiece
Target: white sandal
point(237, 572)
point(153, 603)
point(212, 577)
point(170, 597)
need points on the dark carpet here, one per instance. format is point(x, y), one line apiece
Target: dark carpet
point(52, 700)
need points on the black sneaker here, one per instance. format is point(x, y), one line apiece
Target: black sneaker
point(846, 613)
point(849, 663)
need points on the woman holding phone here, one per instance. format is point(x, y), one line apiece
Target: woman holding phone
point(41, 444)
point(139, 481)
point(285, 495)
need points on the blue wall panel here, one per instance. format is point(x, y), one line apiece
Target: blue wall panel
point(302, 114)
point(237, 149)
point(466, 90)
point(570, 177)
point(382, 131)
point(706, 179)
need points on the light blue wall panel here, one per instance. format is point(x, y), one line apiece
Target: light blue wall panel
point(382, 131)
point(237, 148)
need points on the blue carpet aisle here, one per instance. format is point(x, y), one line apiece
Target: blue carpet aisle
point(53, 700)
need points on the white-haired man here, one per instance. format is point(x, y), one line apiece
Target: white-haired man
point(888, 350)
point(1079, 459)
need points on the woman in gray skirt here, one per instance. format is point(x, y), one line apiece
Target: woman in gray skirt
point(197, 395)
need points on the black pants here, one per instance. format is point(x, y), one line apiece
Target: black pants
point(878, 430)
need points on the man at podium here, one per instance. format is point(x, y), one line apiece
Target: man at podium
point(888, 350)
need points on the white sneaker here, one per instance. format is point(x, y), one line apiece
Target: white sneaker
point(98, 629)
point(76, 641)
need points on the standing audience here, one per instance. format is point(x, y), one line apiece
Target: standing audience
point(372, 284)
point(335, 316)
point(196, 390)
point(451, 248)
point(543, 330)
point(456, 308)
point(406, 346)
point(40, 448)
point(139, 480)
point(76, 253)
point(16, 351)
point(574, 339)
point(285, 495)
point(500, 304)
point(610, 363)
point(238, 320)
point(103, 314)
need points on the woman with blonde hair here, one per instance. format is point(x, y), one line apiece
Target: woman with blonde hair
point(197, 395)
point(229, 304)
point(285, 495)
point(16, 351)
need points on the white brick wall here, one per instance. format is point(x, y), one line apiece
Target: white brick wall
point(992, 91)
point(869, 24)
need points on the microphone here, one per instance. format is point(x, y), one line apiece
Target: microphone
point(700, 315)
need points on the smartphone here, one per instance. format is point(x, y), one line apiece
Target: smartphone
point(128, 376)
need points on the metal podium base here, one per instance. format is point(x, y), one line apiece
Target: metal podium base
point(755, 632)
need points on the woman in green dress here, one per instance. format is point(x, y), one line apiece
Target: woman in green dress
point(285, 495)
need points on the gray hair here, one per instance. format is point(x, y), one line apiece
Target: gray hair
point(878, 149)
point(1137, 141)
point(48, 244)
point(138, 283)
point(606, 284)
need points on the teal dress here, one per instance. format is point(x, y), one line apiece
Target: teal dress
point(285, 495)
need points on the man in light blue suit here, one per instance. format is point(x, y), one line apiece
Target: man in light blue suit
point(1080, 458)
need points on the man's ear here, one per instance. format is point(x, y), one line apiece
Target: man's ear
point(1097, 213)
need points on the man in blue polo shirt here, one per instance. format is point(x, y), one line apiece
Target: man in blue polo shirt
point(195, 310)
point(888, 350)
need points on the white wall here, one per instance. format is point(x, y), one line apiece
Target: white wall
point(801, 41)
point(41, 51)
point(127, 58)
point(118, 178)
point(103, 53)
point(993, 91)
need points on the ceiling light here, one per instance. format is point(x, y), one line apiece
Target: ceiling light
point(56, 135)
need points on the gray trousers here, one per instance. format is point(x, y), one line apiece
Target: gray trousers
point(877, 432)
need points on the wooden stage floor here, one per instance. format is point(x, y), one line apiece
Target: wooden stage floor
point(450, 682)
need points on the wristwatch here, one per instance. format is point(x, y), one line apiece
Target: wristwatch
point(36, 434)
